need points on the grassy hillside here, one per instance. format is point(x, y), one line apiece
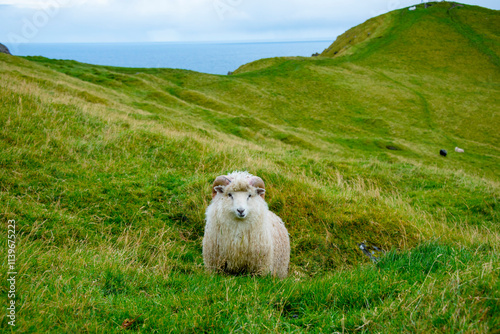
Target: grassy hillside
point(107, 173)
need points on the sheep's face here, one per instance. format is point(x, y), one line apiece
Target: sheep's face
point(240, 202)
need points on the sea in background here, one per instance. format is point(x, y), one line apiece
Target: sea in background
point(214, 58)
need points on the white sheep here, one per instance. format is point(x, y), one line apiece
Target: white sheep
point(241, 234)
point(459, 150)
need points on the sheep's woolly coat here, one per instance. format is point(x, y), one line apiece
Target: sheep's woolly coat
point(257, 244)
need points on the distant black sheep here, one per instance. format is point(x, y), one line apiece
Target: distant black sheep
point(443, 153)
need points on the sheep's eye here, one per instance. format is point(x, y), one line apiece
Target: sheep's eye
point(250, 195)
point(230, 195)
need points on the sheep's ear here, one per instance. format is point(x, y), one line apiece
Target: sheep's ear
point(261, 192)
point(217, 189)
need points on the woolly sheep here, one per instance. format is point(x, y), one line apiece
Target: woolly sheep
point(241, 234)
point(459, 150)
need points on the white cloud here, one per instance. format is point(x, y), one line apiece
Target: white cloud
point(20, 3)
point(193, 20)
point(165, 35)
point(40, 4)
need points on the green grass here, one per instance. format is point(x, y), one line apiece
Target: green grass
point(107, 172)
point(431, 288)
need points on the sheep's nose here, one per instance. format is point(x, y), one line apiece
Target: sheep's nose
point(240, 211)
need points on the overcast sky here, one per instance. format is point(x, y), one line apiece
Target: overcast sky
point(49, 21)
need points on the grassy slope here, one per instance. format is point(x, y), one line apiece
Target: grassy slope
point(107, 172)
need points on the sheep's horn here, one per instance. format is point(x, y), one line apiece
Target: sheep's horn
point(257, 182)
point(219, 181)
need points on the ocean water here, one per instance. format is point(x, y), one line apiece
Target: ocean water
point(214, 58)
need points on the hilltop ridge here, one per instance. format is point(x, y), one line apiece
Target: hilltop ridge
point(434, 35)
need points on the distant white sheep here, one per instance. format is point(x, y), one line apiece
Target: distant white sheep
point(241, 234)
point(459, 150)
